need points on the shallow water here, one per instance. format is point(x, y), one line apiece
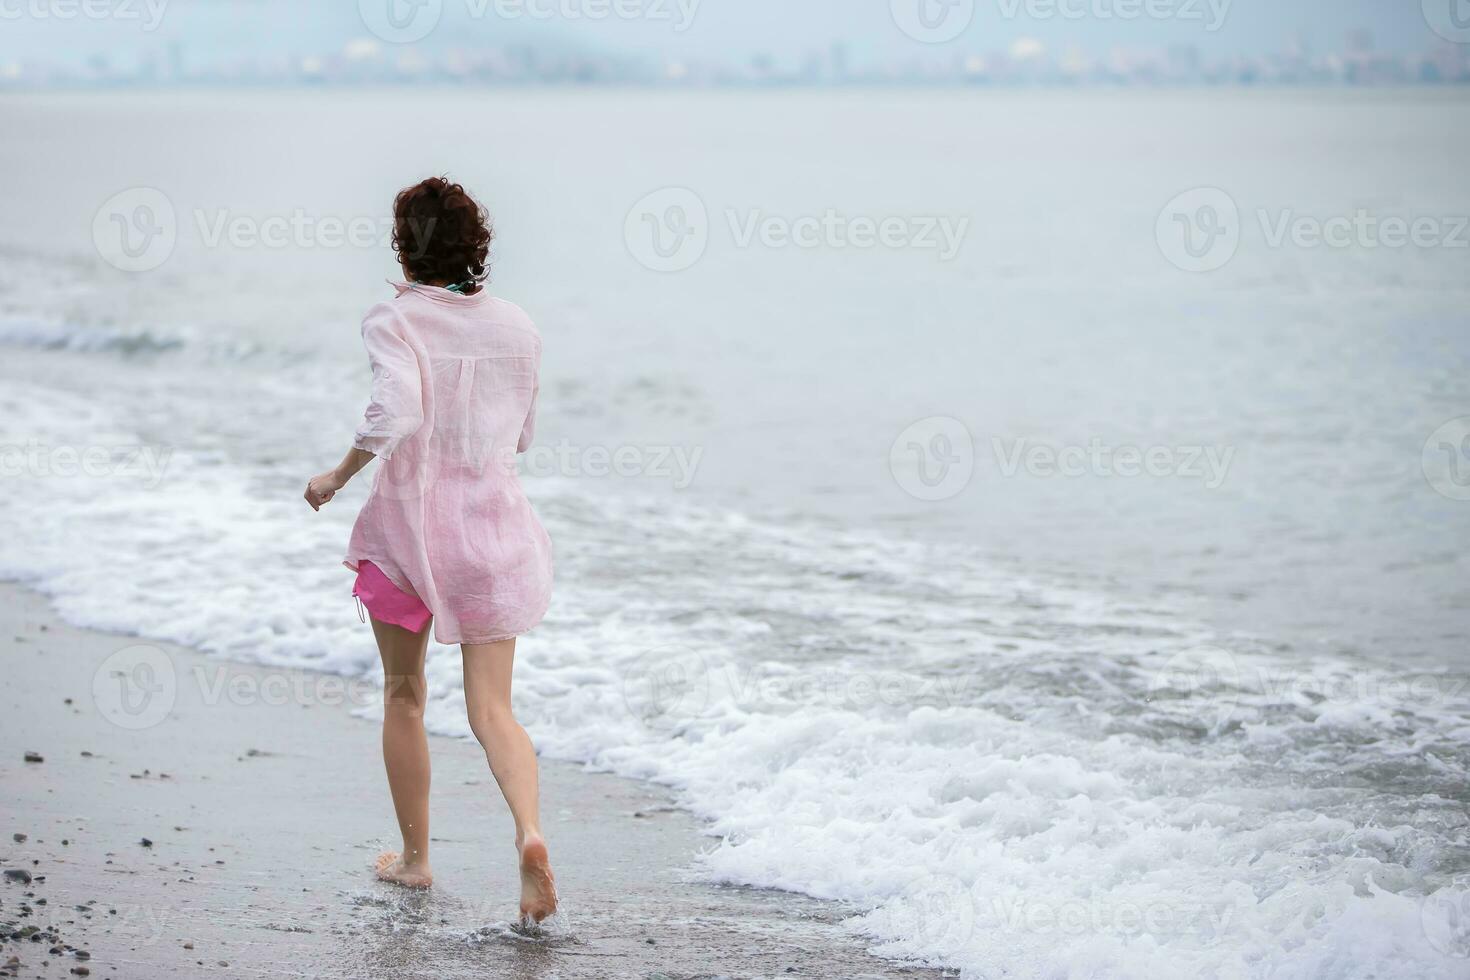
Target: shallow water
point(1047, 726)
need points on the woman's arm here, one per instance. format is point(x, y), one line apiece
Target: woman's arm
point(394, 413)
point(320, 489)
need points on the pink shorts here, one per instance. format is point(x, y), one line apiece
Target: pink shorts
point(386, 602)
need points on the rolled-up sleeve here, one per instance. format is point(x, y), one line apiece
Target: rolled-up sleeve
point(396, 410)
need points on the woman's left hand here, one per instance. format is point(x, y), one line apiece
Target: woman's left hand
point(320, 489)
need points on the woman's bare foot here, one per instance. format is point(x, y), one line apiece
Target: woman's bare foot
point(390, 867)
point(538, 884)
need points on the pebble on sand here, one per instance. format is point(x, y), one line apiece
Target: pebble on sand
point(34, 757)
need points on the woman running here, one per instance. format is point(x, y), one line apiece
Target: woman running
point(447, 536)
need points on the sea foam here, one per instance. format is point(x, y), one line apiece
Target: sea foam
point(1013, 776)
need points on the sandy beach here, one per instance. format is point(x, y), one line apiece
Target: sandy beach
point(233, 836)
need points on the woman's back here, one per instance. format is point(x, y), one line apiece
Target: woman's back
point(454, 401)
point(477, 358)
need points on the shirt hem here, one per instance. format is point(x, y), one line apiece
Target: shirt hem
point(496, 638)
point(388, 567)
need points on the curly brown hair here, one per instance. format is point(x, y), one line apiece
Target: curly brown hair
point(441, 235)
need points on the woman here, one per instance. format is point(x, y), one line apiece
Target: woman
point(447, 536)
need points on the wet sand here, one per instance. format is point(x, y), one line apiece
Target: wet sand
point(263, 804)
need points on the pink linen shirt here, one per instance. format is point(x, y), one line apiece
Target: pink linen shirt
point(455, 380)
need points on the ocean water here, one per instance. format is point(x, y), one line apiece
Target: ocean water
point(1212, 721)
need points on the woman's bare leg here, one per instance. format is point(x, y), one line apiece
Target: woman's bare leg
point(487, 670)
point(405, 752)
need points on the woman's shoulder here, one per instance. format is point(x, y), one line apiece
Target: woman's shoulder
point(509, 311)
point(411, 313)
point(387, 315)
point(507, 316)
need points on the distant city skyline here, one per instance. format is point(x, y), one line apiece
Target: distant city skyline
point(49, 42)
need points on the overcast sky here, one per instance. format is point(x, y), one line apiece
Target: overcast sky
point(729, 30)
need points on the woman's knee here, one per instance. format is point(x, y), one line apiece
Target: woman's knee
point(491, 722)
point(404, 693)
